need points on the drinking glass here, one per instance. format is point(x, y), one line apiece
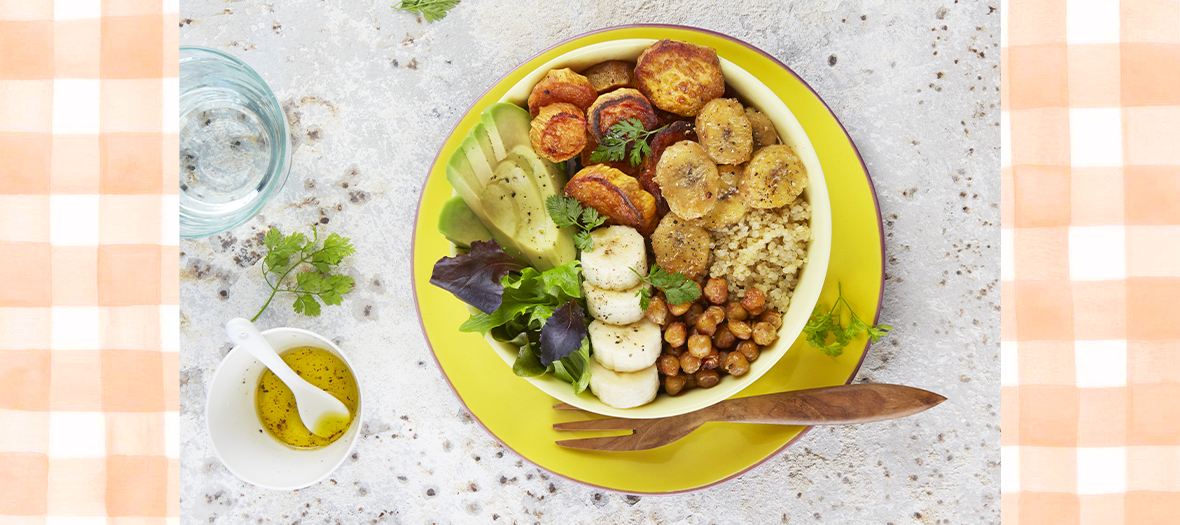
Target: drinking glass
point(235, 150)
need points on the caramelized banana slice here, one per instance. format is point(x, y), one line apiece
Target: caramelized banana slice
point(724, 131)
point(763, 129)
point(679, 77)
point(615, 195)
point(619, 105)
point(675, 132)
point(729, 208)
point(561, 85)
point(610, 75)
point(559, 132)
point(773, 178)
point(680, 247)
point(688, 179)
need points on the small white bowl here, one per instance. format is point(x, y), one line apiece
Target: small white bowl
point(239, 440)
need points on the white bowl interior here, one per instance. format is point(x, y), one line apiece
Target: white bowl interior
point(812, 274)
point(249, 451)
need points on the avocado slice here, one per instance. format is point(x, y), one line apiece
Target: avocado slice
point(460, 225)
point(505, 183)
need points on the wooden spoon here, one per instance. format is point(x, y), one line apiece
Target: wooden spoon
point(834, 405)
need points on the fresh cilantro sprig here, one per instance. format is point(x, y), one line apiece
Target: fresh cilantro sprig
point(823, 323)
point(619, 136)
point(567, 211)
point(431, 10)
point(295, 252)
point(677, 288)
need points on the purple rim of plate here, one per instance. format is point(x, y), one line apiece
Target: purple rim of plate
point(859, 158)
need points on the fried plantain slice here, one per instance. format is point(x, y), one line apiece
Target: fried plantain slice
point(762, 129)
point(773, 178)
point(681, 247)
point(675, 132)
point(561, 85)
point(729, 208)
point(559, 132)
point(724, 131)
point(679, 77)
point(688, 179)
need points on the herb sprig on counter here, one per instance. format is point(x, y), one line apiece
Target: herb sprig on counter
point(567, 211)
point(314, 280)
point(831, 322)
point(677, 288)
point(619, 136)
point(431, 10)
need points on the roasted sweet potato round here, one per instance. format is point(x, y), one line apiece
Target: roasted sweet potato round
point(561, 85)
point(724, 131)
point(618, 105)
point(679, 77)
point(675, 132)
point(559, 132)
point(621, 165)
point(610, 75)
point(614, 195)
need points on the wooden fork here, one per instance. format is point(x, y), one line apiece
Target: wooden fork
point(834, 405)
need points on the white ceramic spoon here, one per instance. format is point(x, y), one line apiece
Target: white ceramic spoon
point(315, 405)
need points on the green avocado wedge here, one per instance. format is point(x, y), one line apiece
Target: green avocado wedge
point(504, 183)
point(460, 225)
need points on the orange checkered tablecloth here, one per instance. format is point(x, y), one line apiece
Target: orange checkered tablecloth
point(1091, 264)
point(88, 242)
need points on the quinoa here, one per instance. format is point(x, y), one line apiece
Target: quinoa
point(763, 250)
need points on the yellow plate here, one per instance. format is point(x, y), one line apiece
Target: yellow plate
point(520, 415)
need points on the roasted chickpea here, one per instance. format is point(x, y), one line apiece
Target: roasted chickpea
point(706, 325)
point(690, 381)
point(674, 384)
point(754, 301)
point(749, 349)
point(689, 363)
point(716, 290)
point(673, 351)
point(711, 360)
point(675, 334)
point(740, 329)
point(679, 309)
point(764, 333)
point(735, 363)
point(717, 313)
point(708, 378)
point(694, 312)
point(699, 345)
point(723, 338)
point(772, 317)
point(734, 311)
point(657, 311)
point(722, 355)
point(668, 365)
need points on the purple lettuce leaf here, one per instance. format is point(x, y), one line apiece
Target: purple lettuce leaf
point(474, 277)
point(562, 333)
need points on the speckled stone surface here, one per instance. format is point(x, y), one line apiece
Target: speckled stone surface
point(371, 94)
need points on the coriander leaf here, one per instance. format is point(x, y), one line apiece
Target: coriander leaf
point(644, 297)
point(562, 333)
point(583, 242)
point(306, 304)
point(563, 210)
point(474, 277)
point(313, 282)
point(824, 323)
point(622, 134)
point(431, 10)
point(591, 219)
point(677, 288)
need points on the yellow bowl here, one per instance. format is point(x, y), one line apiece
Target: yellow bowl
point(519, 415)
point(811, 277)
